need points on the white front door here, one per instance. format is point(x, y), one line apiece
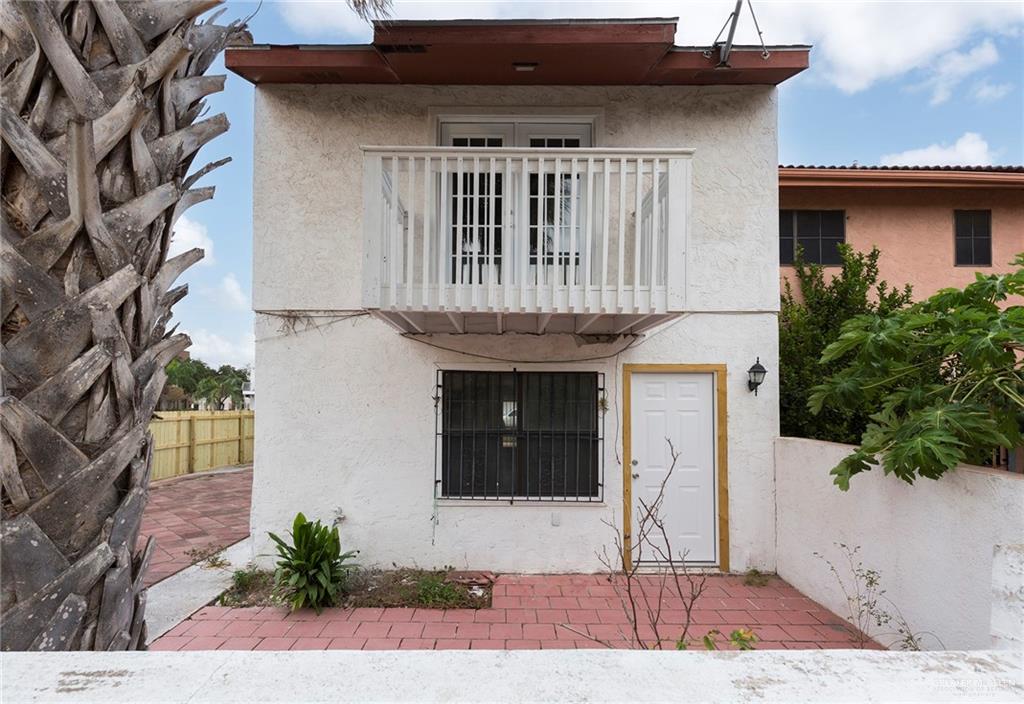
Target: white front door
point(679, 407)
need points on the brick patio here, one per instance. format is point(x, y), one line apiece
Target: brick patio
point(199, 512)
point(528, 611)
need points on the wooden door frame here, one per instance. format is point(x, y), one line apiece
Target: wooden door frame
point(720, 374)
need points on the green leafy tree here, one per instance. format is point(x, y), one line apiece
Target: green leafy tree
point(221, 385)
point(944, 376)
point(811, 321)
point(186, 374)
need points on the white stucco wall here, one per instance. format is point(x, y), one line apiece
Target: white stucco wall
point(347, 422)
point(932, 542)
point(308, 177)
point(1008, 597)
point(346, 417)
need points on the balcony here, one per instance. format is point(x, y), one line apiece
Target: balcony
point(488, 240)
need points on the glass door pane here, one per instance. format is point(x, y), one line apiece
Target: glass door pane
point(478, 197)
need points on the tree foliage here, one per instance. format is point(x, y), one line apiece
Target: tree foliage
point(187, 373)
point(944, 376)
point(811, 321)
point(202, 382)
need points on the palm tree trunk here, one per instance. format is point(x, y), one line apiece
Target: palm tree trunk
point(99, 116)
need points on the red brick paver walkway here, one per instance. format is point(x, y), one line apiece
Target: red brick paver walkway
point(528, 611)
point(196, 513)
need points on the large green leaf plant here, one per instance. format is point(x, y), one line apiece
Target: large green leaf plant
point(945, 376)
point(311, 570)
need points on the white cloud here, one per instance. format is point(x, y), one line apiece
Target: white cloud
point(190, 233)
point(986, 91)
point(216, 349)
point(971, 149)
point(320, 17)
point(858, 43)
point(231, 292)
point(953, 67)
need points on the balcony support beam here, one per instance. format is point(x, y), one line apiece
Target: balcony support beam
point(380, 315)
point(542, 322)
point(625, 322)
point(407, 317)
point(457, 321)
point(585, 321)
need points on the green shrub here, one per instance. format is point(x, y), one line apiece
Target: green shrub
point(810, 322)
point(944, 379)
point(311, 571)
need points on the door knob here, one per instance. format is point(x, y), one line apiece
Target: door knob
point(635, 463)
point(636, 475)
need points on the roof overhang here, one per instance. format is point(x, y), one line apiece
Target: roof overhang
point(517, 52)
point(838, 177)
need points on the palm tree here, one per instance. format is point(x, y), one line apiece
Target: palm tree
point(100, 113)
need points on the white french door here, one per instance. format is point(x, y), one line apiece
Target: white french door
point(679, 407)
point(475, 212)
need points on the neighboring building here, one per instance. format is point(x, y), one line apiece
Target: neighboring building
point(531, 252)
point(935, 226)
point(173, 398)
point(249, 395)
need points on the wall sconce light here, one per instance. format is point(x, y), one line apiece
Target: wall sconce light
point(755, 376)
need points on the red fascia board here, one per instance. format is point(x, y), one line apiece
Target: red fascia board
point(561, 63)
point(293, 64)
point(866, 178)
point(688, 66)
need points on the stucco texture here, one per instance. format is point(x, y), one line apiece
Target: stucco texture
point(913, 228)
point(932, 542)
point(347, 425)
point(309, 185)
point(347, 416)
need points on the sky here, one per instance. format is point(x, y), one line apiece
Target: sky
point(915, 83)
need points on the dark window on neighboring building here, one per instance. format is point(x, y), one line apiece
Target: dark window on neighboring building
point(973, 229)
point(818, 232)
point(520, 435)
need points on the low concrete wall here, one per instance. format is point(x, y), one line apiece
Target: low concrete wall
point(1008, 597)
point(932, 541)
point(245, 677)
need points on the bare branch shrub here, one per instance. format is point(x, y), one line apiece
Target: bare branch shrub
point(869, 609)
point(655, 574)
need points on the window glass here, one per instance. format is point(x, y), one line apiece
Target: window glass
point(972, 231)
point(523, 435)
point(818, 232)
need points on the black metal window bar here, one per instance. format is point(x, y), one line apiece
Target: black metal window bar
point(471, 195)
point(477, 208)
point(520, 436)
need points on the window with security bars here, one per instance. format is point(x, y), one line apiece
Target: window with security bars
point(476, 212)
point(521, 436)
point(818, 232)
point(973, 237)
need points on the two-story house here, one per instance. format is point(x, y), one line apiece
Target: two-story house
point(936, 226)
point(498, 266)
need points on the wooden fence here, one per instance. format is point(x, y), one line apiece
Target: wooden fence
point(195, 441)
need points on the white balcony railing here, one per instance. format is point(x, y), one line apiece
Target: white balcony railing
point(525, 230)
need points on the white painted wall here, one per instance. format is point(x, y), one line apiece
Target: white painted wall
point(932, 541)
point(347, 422)
point(1008, 597)
point(347, 419)
point(308, 177)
